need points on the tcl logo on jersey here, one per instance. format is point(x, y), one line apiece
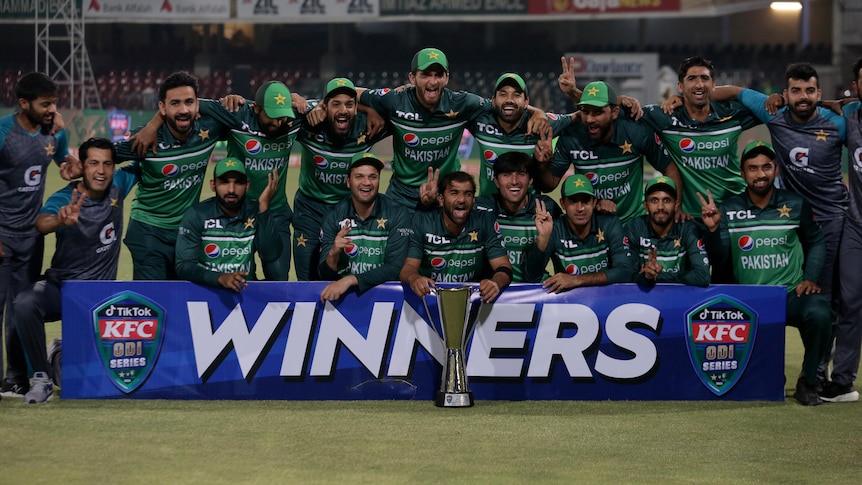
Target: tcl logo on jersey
point(170, 170)
point(411, 139)
point(408, 116)
point(33, 175)
point(253, 147)
point(107, 235)
point(212, 250)
point(490, 156)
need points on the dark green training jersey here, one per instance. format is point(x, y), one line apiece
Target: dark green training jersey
point(454, 259)
point(615, 168)
point(777, 245)
point(681, 252)
point(706, 154)
point(378, 244)
point(325, 159)
point(211, 242)
point(259, 153)
point(423, 139)
point(518, 230)
point(604, 249)
point(494, 141)
point(170, 181)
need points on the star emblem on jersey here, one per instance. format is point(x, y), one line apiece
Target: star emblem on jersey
point(601, 236)
point(626, 147)
point(474, 236)
point(451, 114)
point(381, 223)
point(676, 243)
point(360, 139)
point(249, 223)
point(301, 240)
point(280, 99)
point(784, 211)
point(115, 203)
point(204, 134)
point(49, 150)
point(592, 91)
point(821, 135)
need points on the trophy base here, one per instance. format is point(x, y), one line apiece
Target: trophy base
point(454, 399)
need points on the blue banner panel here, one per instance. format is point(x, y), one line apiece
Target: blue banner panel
point(276, 340)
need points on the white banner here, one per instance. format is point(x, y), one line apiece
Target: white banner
point(134, 10)
point(306, 10)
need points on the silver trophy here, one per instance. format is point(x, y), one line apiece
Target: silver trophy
point(454, 307)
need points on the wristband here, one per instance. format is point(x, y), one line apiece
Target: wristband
point(505, 270)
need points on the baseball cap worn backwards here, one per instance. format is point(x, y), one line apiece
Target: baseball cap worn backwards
point(339, 85)
point(228, 165)
point(663, 183)
point(598, 94)
point(366, 158)
point(274, 97)
point(428, 57)
point(511, 79)
point(757, 147)
point(577, 184)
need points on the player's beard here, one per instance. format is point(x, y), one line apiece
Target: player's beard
point(173, 123)
point(45, 123)
point(803, 114)
point(232, 205)
point(510, 118)
point(663, 219)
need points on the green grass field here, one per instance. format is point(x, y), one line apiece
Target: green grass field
point(133, 441)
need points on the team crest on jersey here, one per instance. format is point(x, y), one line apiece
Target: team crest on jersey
point(128, 329)
point(411, 139)
point(745, 242)
point(687, 145)
point(381, 91)
point(170, 170)
point(720, 336)
point(253, 147)
point(490, 156)
point(212, 250)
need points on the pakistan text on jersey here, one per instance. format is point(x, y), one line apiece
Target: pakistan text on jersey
point(706, 163)
point(186, 183)
point(228, 267)
point(428, 156)
point(266, 164)
point(612, 193)
point(765, 261)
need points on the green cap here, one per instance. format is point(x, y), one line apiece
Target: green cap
point(274, 97)
point(577, 184)
point(511, 79)
point(599, 94)
point(663, 183)
point(427, 57)
point(339, 85)
point(366, 158)
point(227, 165)
point(757, 147)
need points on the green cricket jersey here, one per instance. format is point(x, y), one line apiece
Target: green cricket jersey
point(422, 138)
point(378, 244)
point(777, 245)
point(518, 230)
point(325, 159)
point(170, 181)
point(706, 154)
point(211, 243)
point(615, 168)
point(259, 154)
point(604, 249)
point(681, 252)
point(448, 258)
point(494, 141)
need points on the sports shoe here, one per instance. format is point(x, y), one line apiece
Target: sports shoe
point(55, 361)
point(41, 389)
point(834, 392)
point(806, 393)
point(13, 389)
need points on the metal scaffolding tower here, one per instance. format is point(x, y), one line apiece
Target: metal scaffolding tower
point(62, 54)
